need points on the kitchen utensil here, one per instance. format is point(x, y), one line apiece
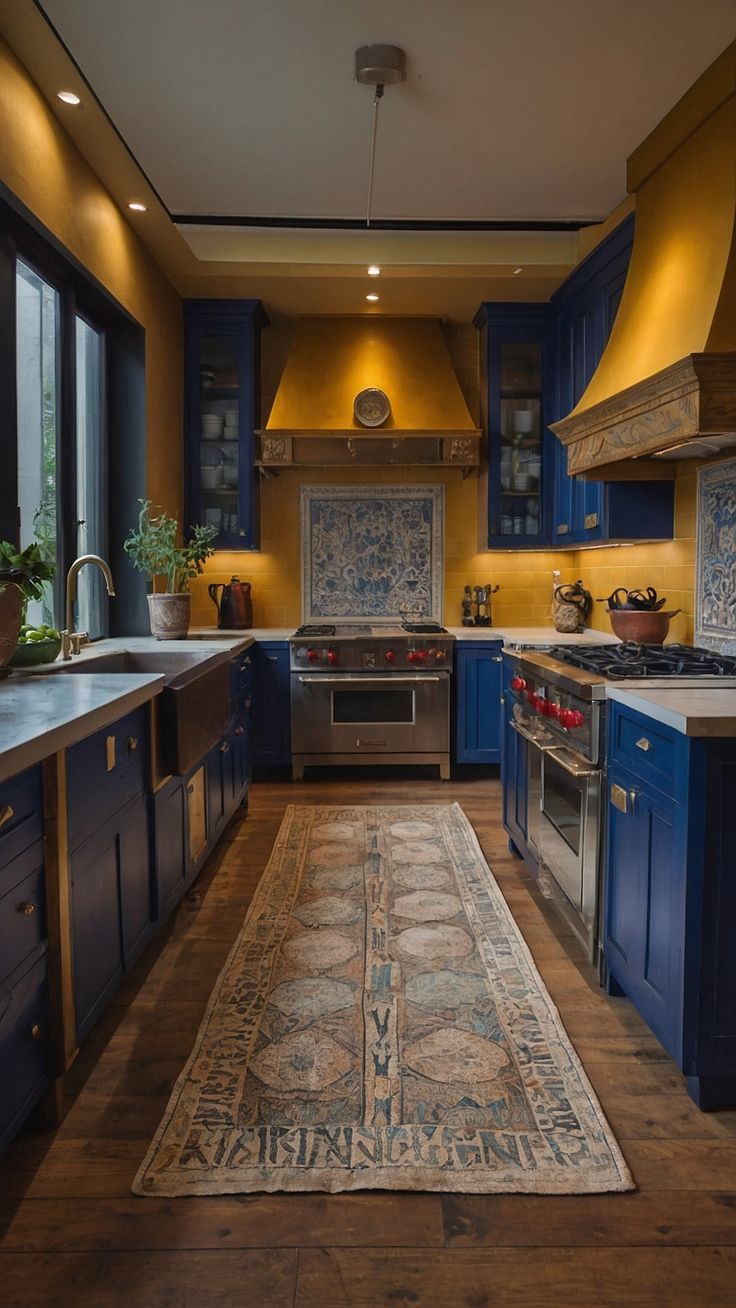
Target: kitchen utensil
point(642, 626)
point(467, 606)
point(234, 607)
point(640, 600)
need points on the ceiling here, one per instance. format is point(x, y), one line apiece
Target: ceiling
point(513, 111)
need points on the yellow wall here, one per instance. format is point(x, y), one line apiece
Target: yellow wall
point(40, 165)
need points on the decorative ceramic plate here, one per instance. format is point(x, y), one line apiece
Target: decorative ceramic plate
point(371, 407)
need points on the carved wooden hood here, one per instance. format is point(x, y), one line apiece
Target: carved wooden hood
point(332, 360)
point(665, 386)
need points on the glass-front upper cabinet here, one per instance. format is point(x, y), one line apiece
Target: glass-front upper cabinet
point(222, 412)
point(516, 358)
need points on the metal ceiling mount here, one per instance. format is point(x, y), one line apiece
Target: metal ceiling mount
point(379, 66)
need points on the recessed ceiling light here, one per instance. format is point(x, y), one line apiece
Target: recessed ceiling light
point(374, 270)
point(372, 297)
point(517, 271)
point(69, 97)
point(137, 206)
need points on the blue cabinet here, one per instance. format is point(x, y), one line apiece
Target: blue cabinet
point(536, 362)
point(271, 704)
point(24, 1018)
point(478, 701)
point(670, 894)
point(513, 770)
point(222, 411)
point(584, 308)
point(517, 391)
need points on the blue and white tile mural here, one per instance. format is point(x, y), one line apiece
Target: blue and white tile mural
point(715, 596)
point(371, 552)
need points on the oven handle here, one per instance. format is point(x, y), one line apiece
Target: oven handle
point(527, 735)
point(388, 678)
point(573, 769)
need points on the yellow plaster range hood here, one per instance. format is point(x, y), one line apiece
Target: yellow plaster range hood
point(665, 386)
point(312, 422)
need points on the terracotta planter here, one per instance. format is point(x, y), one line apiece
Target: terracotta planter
point(169, 615)
point(642, 626)
point(11, 612)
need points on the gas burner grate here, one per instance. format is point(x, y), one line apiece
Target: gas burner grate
point(315, 630)
point(629, 661)
point(424, 628)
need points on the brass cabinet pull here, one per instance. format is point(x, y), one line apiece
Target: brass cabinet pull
point(644, 743)
point(239, 731)
point(26, 909)
point(562, 528)
point(110, 752)
point(224, 747)
point(36, 1031)
point(590, 520)
point(132, 744)
point(623, 800)
point(6, 813)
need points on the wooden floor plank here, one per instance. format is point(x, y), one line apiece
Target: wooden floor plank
point(67, 1212)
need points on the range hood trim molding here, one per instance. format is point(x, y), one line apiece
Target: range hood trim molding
point(696, 396)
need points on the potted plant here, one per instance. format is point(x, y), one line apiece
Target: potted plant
point(153, 550)
point(23, 576)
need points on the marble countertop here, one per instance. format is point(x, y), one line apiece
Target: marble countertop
point(534, 635)
point(40, 714)
point(706, 711)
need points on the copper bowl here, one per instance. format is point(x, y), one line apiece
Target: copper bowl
point(642, 626)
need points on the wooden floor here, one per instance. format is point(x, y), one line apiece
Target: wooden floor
point(71, 1233)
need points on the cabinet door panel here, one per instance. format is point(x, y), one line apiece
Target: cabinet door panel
point(661, 939)
point(96, 925)
point(23, 1047)
point(626, 881)
point(135, 879)
point(270, 714)
point(171, 865)
point(478, 700)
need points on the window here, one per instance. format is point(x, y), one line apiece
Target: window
point(72, 422)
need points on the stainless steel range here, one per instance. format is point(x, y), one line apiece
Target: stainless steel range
point(365, 693)
point(558, 702)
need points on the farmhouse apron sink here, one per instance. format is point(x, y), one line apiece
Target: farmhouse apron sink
point(193, 708)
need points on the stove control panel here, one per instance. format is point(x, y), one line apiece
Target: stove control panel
point(388, 655)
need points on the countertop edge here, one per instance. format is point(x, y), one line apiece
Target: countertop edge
point(698, 723)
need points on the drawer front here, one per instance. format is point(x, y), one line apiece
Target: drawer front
point(22, 911)
point(21, 814)
point(23, 1045)
point(104, 772)
point(648, 749)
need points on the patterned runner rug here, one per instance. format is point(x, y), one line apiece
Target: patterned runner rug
point(380, 1024)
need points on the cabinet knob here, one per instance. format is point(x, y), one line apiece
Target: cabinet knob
point(245, 664)
point(590, 521)
point(36, 1031)
point(562, 528)
point(26, 909)
point(239, 731)
point(644, 743)
point(6, 813)
point(224, 747)
point(132, 744)
point(248, 704)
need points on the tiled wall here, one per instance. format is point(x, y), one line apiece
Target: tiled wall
point(524, 577)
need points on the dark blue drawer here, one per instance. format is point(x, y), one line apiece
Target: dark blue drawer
point(22, 909)
point(21, 814)
point(647, 748)
point(104, 772)
point(24, 1047)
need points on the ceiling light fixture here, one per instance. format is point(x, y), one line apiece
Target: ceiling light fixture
point(379, 66)
point(137, 206)
point(374, 270)
point(372, 297)
point(69, 97)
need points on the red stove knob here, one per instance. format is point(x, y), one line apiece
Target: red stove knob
point(332, 656)
point(564, 718)
point(312, 655)
point(577, 719)
point(390, 656)
point(518, 683)
point(422, 655)
point(411, 656)
point(552, 710)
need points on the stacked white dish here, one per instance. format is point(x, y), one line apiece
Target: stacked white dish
point(211, 477)
point(212, 424)
point(231, 424)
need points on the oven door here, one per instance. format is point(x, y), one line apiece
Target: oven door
point(357, 713)
point(567, 825)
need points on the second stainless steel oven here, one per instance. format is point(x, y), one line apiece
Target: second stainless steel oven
point(364, 695)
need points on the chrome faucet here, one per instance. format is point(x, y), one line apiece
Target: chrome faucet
point(71, 641)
